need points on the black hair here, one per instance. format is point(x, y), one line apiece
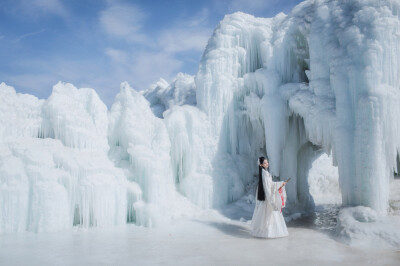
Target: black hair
point(260, 192)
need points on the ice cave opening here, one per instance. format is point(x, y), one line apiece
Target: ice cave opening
point(323, 181)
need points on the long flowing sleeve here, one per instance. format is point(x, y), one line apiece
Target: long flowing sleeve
point(272, 190)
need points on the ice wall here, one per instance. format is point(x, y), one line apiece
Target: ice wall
point(140, 144)
point(191, 153)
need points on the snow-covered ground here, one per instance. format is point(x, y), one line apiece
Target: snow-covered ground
point(363, 227)
point(208, 239)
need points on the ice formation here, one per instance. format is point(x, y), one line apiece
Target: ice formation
point(54, 168)
point(362, 227)
point(323, 79)
point(163, 96)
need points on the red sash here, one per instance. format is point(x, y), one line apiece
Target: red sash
point(283, 201)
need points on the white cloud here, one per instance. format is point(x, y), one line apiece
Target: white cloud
point(80, 73)
point(37, 84)
point(141, 69)
point(124, 21)
point(117, 56)
point(253, 5)
point(149, 67)
point(145, 65)
point(199, 19)
point(184, 39)
point(39, 7)
point(51, 6)
point(187, 34)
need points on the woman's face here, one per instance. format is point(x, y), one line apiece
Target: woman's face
point(265, 163)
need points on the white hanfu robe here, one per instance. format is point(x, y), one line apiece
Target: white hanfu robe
point(268, 221)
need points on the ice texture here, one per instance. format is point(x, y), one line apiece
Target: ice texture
point(54, 168)
point(140, 144)
point(362, 227)
point(320, 81)
point(163, 96)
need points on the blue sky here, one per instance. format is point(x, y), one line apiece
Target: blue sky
point(100, 43)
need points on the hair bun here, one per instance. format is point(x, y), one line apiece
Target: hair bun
point(260, 160)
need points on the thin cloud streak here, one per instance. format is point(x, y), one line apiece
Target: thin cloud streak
point(28, 35)
point(124, 21)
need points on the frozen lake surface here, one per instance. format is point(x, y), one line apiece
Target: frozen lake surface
point(208, 239)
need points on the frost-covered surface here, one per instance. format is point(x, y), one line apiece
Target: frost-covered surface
point(323, 79)
point(362, 227)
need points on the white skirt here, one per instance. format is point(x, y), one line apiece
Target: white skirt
point(266, 222)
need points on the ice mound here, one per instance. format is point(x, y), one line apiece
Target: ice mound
point(363, 227)
point(20, 114)
point(78, 118)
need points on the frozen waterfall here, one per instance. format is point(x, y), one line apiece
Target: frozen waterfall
point(325, 77)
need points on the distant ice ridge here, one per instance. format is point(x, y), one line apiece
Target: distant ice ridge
point(323, 79)
point(163, 96)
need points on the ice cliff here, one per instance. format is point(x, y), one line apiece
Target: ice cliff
point(323, 79)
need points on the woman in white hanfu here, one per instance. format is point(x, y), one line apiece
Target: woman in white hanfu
point(267, 221)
